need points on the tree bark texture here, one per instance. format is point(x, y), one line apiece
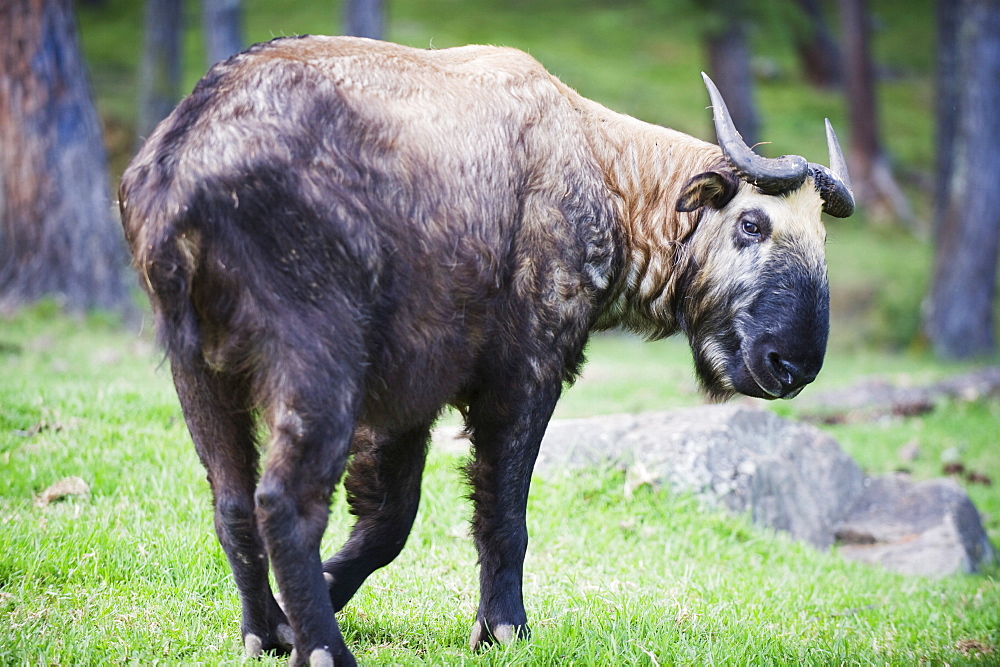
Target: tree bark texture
point(222, 22)
point(948, 88)
point(364, 18)
point(57, 232)
point(875, 188)
point(729, 64)
point(865, 142)
point(160, 74)
point(817, 49)
point(960, 309)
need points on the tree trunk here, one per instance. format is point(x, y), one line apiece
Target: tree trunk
point(729, 63)
point(948, 91)
point(818, 51)
point(160, 74)
point(222, 22)
point(363, 18)
point(960, 317)
point(57, 233)
point(874, 185)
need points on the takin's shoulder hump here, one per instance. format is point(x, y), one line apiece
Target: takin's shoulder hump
point(368, 61)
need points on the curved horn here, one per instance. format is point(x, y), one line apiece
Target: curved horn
point(771, 175)
point(834, 184)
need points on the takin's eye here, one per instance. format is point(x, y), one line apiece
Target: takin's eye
point(754, 227)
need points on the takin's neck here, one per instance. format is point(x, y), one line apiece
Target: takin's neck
point(645, 168)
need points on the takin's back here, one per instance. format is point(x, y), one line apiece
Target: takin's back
point(340, 198)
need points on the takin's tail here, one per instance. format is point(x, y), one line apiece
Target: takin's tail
point(167, 253)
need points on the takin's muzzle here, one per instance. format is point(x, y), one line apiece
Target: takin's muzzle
point(783, 349)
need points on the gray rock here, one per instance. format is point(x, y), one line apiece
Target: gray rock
point(787, 475)
point(927, 528)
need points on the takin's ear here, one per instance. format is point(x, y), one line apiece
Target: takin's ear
point(712, 188)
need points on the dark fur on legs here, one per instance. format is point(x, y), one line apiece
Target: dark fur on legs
point(383, 491)
point(506, 432)
point(217, 410)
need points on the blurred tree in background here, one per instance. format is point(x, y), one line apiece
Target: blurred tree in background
point(58, 235)
point(816, 47)
point(875, 188)
point(160, 74)
point(222, 24)
point(160, 71)
point(725, 34)
point(364, 18)
point(947, 87)
point(960, 307)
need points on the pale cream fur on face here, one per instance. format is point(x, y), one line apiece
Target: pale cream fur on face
point(728, 273)
point(795, 226)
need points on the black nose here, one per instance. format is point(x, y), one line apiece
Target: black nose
point(790, 374)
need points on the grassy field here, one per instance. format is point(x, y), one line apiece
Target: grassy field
point(130, 571)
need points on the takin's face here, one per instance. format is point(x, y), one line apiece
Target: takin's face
point(756, 303)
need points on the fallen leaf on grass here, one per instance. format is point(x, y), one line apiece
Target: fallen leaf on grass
point(975, 477)
point(971, 476)
point(973, 648)
point(68, 486)
point(31, 432)
point(954, 468)
point(44, 425)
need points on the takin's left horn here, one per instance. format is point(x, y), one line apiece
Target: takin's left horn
point(834, 184)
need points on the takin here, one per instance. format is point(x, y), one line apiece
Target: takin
point(340, 237)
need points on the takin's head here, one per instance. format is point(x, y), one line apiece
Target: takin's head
point(755, 303)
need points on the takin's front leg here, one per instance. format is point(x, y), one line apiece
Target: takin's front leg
point(217, 411)
point(506, 431)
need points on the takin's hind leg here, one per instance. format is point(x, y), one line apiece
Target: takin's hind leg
point(218, 415)
point(310, 440)
point(383, 490)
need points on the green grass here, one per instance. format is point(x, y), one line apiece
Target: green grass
point(133, 573)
